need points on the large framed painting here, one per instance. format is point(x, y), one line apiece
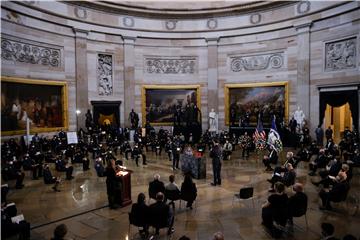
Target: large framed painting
point(43, 103)
point(159, 102)
point(246, 103)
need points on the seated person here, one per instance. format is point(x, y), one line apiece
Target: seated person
point(331, 180)
point(49, 179)
point(11, 171)
point(99, 167)
point(139, 215)
point(337, 193)
point(160, 215)
point(60, 232)
point(297, 203)
point(22, 227)
point(331, 170)
point(227, 150)
point(156, 186)
point(320, 162)
point(172, 191)
point(188, 191)
point(85, 163)
point(285, 175)
point(271, 158)
point(275, 209)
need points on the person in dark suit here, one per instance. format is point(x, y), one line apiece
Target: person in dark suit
point(9, 228)
point(161, 215)
point(298, 203)
point(320, 162)
point(337, 193)
point(275, 209)
point(49, 179)
point(139, 215)
point(156, 186)
point(328, 133)
point(113, 185)
point(216, 155)
point(188, 191)
point(271, 158)
point(286, 175)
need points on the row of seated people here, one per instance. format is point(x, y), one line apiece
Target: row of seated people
point(158, 215)
point(281, 209)
point(187, 192)
point(12, 223)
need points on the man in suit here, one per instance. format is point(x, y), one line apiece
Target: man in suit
point(336, 194)
point(271, 158)
point(285, 175)
point(297, 204)
point(156, 186)
point(216, 154)
point(161, 215)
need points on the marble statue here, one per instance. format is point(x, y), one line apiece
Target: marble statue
point(299, 116)
point(213, 124)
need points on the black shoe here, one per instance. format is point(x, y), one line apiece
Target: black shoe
point(19, 186)
point(271, 190)
point(269, 180)
point(144, 163)
point(326, 208)
point(213, 184)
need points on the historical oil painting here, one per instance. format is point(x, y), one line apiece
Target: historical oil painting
point(160, 103)
point(43, 103)
point(245, 103)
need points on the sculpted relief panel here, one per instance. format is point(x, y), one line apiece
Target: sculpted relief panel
point(257, 62)
point(166, 65)
point(105, 74)
point(340, 54)
point(20, 51)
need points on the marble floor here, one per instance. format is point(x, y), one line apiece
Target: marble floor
point(81, 204)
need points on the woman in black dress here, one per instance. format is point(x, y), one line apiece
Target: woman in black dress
point(188, 191)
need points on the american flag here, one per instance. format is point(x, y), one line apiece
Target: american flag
point(259, 133)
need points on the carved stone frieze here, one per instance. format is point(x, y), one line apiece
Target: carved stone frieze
point(257, 62)
point(176, 65)
point(340, 54)
point(19, 51)
point(105, 74)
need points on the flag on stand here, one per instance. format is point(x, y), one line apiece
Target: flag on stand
point(259, 136)
point(274, 137)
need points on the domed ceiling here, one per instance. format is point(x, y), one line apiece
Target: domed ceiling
point(180, 9)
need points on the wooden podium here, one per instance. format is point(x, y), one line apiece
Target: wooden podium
point(124, 176)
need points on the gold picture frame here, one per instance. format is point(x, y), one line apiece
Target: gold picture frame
point(146, 90)
point(264, 85)
point(18, 83)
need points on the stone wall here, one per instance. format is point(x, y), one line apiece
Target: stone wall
point(103, 55)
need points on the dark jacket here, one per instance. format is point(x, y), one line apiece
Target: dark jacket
point(339, 191)
point(139, 215)
point(298, 204)
point(159, 215)
point(155, 187)
point(188, 192)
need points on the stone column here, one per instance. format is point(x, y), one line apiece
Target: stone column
point(303, 68)
point(129, 78)
point(82, 101)
point(213, 93)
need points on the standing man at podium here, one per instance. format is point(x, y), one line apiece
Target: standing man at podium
point(113, 185)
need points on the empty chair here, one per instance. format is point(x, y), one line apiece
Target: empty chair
point(244, 194)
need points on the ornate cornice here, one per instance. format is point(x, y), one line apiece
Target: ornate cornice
point(204, 10)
